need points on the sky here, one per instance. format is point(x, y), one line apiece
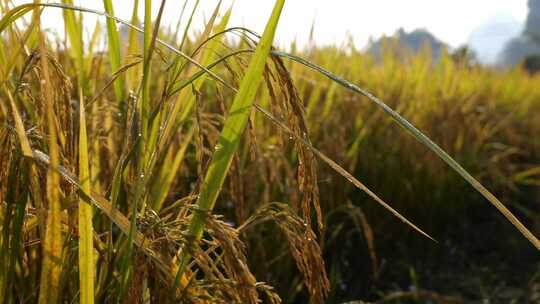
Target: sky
point(336, 20)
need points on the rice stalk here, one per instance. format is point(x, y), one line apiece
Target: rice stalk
point(186, 98)
point(114, 53)
point(86, 245)
point(188, 25)
point(131, 76)
point(73, 26)
point(231, 133)
point(49, 289)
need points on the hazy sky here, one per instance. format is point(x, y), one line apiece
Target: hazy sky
point(451, 21)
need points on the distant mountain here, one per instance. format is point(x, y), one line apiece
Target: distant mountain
point(526, 44)
point(517, 50)
point(413, 41)
point(532, 25)
point(488, 40)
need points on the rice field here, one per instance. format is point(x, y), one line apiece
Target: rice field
point(155, 167)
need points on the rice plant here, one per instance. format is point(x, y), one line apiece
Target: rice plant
point(185, 168)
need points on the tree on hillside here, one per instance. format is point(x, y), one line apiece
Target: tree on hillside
point(528, 43)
